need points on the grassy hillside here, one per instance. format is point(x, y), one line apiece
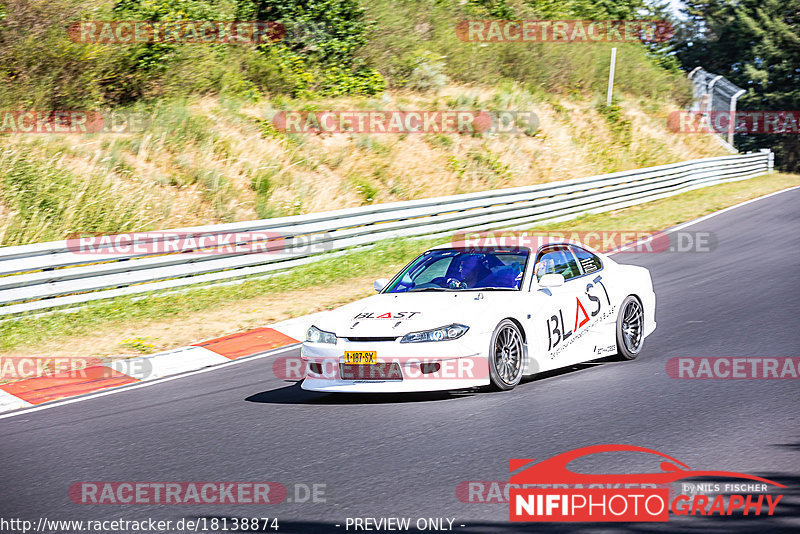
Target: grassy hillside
point(208, 160)
point(211, 155)
point(330, 48)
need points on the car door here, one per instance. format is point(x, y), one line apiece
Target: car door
point(600, 335)
point(562, 309)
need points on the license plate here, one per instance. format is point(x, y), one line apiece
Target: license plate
point(362, 357)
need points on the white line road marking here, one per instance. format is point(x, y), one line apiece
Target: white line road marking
point(703, 218)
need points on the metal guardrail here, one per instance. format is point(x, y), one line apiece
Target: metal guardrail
point(48, 275)
point(715, 93)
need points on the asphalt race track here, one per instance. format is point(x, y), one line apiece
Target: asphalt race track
point(404, 456)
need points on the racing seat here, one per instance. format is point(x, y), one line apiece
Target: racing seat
point(503, 276)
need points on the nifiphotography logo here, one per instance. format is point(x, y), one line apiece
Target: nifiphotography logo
point(549, 491)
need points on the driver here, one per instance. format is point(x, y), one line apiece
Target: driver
point(470, 269)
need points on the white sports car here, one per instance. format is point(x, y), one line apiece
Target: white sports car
point(462, 316)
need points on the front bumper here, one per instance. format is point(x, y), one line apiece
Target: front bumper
point(431, 366)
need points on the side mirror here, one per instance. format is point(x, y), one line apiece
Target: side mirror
point(552, 280)
point(380, 283)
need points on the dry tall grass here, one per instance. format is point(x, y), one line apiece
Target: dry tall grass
point(210, 160)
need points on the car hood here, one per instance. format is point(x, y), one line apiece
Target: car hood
point(396, 314)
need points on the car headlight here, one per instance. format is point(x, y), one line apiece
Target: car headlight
point(453, 331)
point(315, 335)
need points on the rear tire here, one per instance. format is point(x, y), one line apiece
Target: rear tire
point(506, 356)
point(630, 328)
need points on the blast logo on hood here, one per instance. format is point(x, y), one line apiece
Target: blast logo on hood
point(387, 315)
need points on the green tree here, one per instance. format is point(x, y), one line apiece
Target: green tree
point(322, 37)
point(756, 45)
point(590, 9)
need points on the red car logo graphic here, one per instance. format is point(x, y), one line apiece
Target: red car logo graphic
point(554, 470)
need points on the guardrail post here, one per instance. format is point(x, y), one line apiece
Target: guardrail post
point(732, 115)
point(770, 159)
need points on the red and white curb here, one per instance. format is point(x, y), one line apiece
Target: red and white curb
point(214, 352)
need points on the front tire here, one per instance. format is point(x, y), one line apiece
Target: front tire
point(506, 356)
point(630, 328)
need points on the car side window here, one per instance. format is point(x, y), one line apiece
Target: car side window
point(589, 262)
point(559, 260)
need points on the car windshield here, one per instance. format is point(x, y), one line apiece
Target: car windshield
point(462, 269)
